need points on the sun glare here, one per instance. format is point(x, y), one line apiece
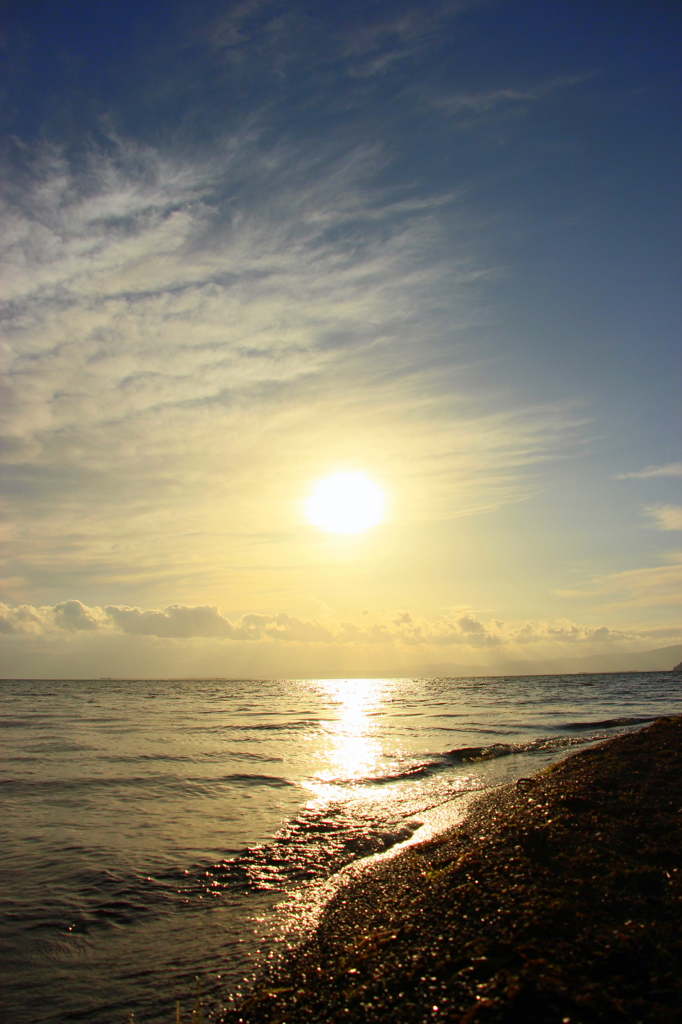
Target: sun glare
point(345, 503)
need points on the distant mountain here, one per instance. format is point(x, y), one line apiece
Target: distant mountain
point(661, 659)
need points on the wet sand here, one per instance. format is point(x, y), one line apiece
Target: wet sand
point(556, 901)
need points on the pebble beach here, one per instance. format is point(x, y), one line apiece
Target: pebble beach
point(556, 901)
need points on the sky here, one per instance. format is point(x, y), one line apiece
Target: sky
point(247, 246)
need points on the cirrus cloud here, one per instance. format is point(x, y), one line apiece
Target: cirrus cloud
point(670, 469)
point(665, 517)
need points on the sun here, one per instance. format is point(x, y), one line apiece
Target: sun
point(345, 503)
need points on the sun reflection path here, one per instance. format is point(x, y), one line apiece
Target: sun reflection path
point(353, 749)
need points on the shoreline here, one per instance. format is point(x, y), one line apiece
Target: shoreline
point(556, 900)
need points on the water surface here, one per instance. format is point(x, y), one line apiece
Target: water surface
point(152, 830)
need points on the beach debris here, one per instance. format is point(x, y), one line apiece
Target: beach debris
point(196, 1012)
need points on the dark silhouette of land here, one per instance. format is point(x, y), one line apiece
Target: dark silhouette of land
point(661, 659)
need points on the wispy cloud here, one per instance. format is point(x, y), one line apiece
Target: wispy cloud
point(665, 517)
point(638, 588)
point(187, 341)
point(484, 101)
point(670, 469)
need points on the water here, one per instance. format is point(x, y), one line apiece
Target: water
point(154, 831)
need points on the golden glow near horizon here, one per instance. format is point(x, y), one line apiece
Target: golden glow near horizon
point(345, 503)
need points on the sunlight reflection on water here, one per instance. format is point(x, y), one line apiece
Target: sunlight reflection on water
point(354, 749)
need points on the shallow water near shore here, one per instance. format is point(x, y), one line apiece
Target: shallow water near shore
point(152, 830)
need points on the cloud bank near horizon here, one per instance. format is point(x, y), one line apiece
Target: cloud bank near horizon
point(184, 622)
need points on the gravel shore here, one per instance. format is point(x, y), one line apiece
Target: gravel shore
point(557, 901)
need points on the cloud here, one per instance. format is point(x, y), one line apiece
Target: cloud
point(158, 286)
point(178, 621)
point(23, 620)
point(67, 616)
point(205, 622)
point(639, 588)
point(671, 469)
point(469, 625)
point(73, 615)
point(470, 109)
point(665, 517)
point(381, 46)
point(258, 39)
point(189, 340)
point(182, 622)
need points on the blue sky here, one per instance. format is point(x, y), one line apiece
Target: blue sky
point(249, 245)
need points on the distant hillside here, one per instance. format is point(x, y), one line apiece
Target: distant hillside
point(661, 659)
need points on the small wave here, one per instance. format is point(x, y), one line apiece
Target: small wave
point(607, 723)
point(105, 899)
point(293, 726)
point(313, 846)
point(244, 779)
point(144, 782)
point(463, 755)
point(209, 756)
point(93, 783)
point(459, 756)
point(413, 772)
point(135, 758)
point(466, 755)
